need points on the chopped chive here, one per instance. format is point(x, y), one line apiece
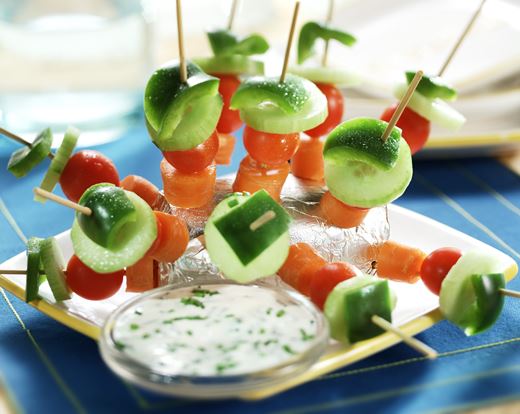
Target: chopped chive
point(203, 292)
point(184, 318)
point(138, 311)
point(306, 336)
point(220, 368)
point(280, 313)
point(119, 345)
point(146, 336)
point(134, 326)
point(268, 311)
point(288, 349)
point(192, 301)
point(261, 331)
point(189, 332)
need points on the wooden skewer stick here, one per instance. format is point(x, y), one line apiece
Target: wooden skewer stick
point(63, 201)
point(17, 272)
point(512, 293)
point(402, 105)
point(263, 219)
point(409, 340)
point(180, 36)
point(234, 6)
point(289, 41)
point(461, 38)
point(328, 20)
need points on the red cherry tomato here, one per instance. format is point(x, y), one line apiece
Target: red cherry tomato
point(335, 107)
point(229, 119)
point(416, 129)
point(84, 169)
point(437, 265)
point(195, 159)
point(91, 285)
point(327, 278)
point(270, 149)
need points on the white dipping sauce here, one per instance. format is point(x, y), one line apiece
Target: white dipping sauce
point(215, 330)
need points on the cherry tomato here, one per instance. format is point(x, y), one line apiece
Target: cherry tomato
point(416, 129)
point(195, 159)
point(335, 107)
point(84, 169)
point(229, 119)
point(91, 285)
point(326, 279)
point(270, 149)
point(437, 265)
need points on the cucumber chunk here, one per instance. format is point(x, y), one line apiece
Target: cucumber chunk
point(34, 265)
point(433, 87)
point(111, 210)
point(359, 184)
point(58, 163)
point(233, 65)
point(435, 110)
point(461, 297)
point(269, 118)
point(102, 260)
point(53, 265)
point(23, 160)
point(351, 305)
point(359, 139)
point(327, 74)
point(168, 103)
point(224, 257)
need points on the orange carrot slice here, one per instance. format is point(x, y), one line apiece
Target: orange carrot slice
point(252, 176)
point(340, 214)
point(142, 276)
point(226, 145)
point(308, 163)
point(172, 238)
point(142, 187)
point(188, 190)
point(399, 262)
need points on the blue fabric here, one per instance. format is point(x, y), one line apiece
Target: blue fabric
point(50, 368)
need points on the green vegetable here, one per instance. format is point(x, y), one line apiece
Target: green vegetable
point(143, 233)
point(435, 110)
point(233, 65)
point(58, 163)
point(311, 31)
point(259, 108)
point(26, 158)
point(266, 263)
point(363, 171)
point(53, 265)
point(351, 304)
point(112, 211)
point(470, 293)
point(193, 106)
point(433, 87)
point(34, 264)
point(235, 226)
point(327, 74)
point(224, 42)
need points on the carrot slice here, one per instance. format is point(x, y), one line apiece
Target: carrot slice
point(142, 187)
point(399, 262)
point(300, 267)
point(226, 145)
point(340, 214)
point(252, 176)
point(172, 238)
point(188, 190)
point(142, 276)
point(308, 163)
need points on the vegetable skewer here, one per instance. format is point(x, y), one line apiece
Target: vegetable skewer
point(62, 201)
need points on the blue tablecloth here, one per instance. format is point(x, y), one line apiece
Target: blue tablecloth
point(47, 367)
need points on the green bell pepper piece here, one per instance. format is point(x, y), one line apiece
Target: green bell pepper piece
point(433, 87)
point(224, 42)
point(23, 160)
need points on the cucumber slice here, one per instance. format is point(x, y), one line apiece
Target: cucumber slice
point(111, 210)
point(351, 305)
point(433, 87)
point(359, 184)
point(168, 102)
point(289, 96)
point(224, 257)
point(25, 159)
point(224, 42)
point(58, 163)
point(458, 298)
point(312, 31)
point(34, 264)
point(269, 118)
point(327, 74)
point(435, 110)
point(233, 65)
point(359, 139)
point(101, 260)
point(53, 265)
point(489, 304)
